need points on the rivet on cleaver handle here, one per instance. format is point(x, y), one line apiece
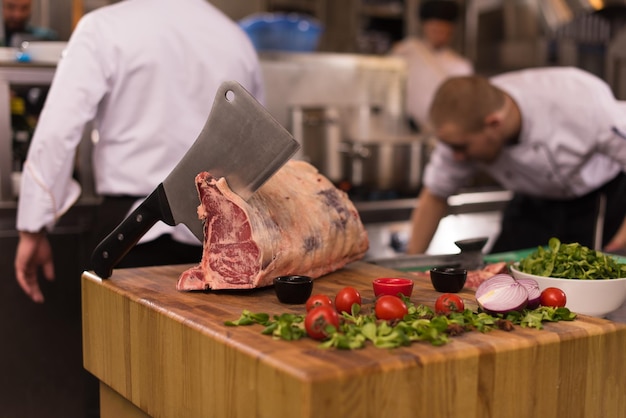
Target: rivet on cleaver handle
point(118, 243)
point(240, 141)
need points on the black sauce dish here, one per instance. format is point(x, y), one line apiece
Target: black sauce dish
point(448, 279)
point(293, 289)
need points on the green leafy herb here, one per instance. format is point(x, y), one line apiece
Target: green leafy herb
point(249, 318)
point(357, 329)
point(286, 326)
point(571, 261)
point(536, 317)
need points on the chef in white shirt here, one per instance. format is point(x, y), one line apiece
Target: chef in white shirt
point(430, 59)
point(556, 137)
point(146, 72)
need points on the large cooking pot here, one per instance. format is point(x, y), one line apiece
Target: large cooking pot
point(318, 130)
point(390, 164)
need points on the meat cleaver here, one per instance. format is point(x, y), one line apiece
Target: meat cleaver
point(240, 141)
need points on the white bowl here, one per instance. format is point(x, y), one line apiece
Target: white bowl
point(588, 297)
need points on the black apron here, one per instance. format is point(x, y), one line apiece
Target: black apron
point(530, 222)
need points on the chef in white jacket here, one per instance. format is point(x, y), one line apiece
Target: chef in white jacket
point(430, 59)
point(146, 72)
point(556, 137)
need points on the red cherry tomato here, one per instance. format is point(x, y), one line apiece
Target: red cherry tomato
point(345, 298)
point(449, 302)
point(317, 321)
point(390, 307)
point(552, 296)
point(318, 300)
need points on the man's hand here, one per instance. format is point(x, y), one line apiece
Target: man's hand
point(618, 242)
point(33, 251)
point(425, 220)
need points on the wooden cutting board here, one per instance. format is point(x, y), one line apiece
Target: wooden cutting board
point(170, 355)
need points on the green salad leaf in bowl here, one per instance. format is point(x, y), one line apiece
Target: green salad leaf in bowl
point(571, 261)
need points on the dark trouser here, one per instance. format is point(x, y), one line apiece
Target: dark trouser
point(530, 222)
point(162, 251)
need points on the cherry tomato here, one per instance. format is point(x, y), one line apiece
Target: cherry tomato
point(449, 302)
point(390, 307)
point(318, 300)
point(345, 298)
point(317, 321)
point(552, 296)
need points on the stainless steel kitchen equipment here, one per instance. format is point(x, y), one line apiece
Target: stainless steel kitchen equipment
point(470, 257)
point(12, 77)
point(32, 78)
point(393, 164)
point(352, 145)
point(341, 81)
point(470, 214)
point(327, 99)
point(318, 129)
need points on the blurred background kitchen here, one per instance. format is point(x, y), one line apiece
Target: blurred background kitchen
point(331, 82)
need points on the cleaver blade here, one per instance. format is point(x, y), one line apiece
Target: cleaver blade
point(240, 141)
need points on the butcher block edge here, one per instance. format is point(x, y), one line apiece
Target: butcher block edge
point(170, 354)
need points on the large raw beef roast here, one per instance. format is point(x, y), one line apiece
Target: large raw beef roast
point(298, 222)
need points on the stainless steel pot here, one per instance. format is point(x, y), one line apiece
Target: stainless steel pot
point(393, 164)
point(318, 130)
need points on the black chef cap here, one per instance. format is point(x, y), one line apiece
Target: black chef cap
point(439, 9)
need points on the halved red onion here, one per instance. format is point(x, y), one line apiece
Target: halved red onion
point(501, 294)
point(534, 293)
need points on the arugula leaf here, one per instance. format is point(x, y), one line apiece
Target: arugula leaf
point(420, 324)
point(287, 327)
point(571, 261)
point(369, 331)
point(249, 318)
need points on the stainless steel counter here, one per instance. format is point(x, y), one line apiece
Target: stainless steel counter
point(470, 215)
point(395, 210)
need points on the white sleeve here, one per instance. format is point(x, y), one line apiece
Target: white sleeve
point(47, 190)
point(443, 175)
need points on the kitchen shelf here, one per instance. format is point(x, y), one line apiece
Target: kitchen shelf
point(315, 8)
point(36, 75)
point(391, 20)
point(385, 11)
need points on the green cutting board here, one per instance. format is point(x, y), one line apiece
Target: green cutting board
point(509, 255)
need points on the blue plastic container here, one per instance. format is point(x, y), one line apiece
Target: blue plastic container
point(282, 32)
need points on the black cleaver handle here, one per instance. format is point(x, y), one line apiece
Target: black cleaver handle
point(118, 243)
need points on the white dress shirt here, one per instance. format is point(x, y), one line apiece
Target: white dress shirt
point(146, 72)
point(572, 140)
point(427, 68)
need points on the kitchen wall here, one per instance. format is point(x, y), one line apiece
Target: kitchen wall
point(57, 14)
point(511, 33)
point(497, 35)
